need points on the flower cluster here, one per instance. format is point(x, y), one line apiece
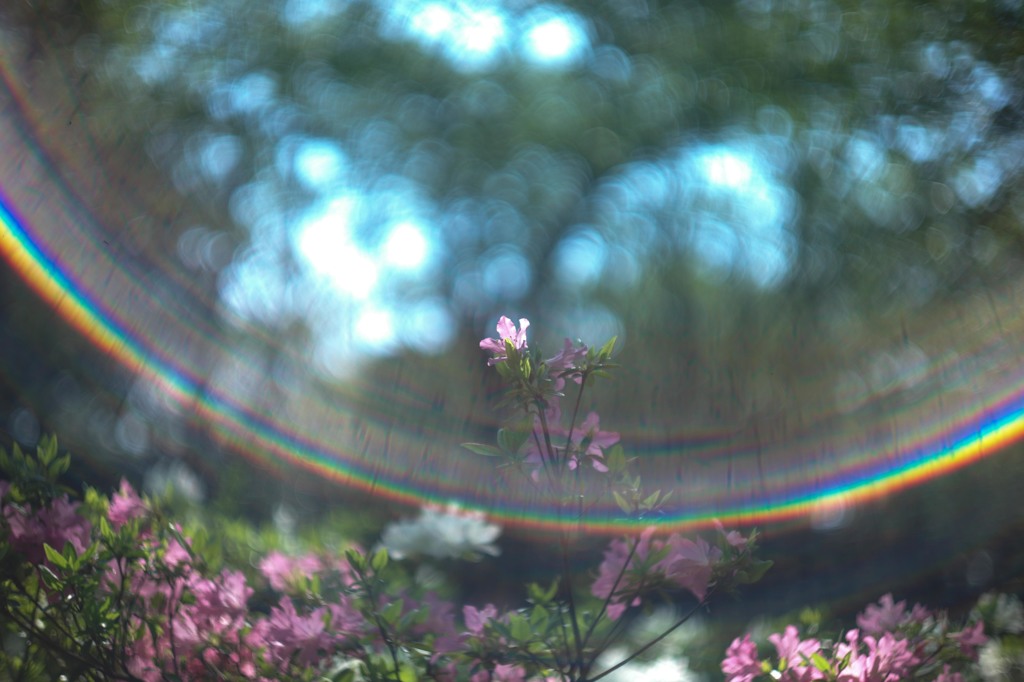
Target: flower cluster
point(554, 449)
point(890, 644)
point(56, 524)
point(113, 589)
point(135, 600)
point(634, 566)
point(537, 387)
point(172, 619)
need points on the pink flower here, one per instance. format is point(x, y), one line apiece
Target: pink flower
point(733, 537)
point(506, 332)
point(440, 622)
point(797, 653)
point(970, 639)
point(598, 441)
point(142, 659)
point(947, 676)
point(741, 663)
point(507, 672)
point(888, 659)
point(503, 672)
point(54, 525)
point(615, 565)
point(888, 615)
point(125, 505)
point(567, 359)
point(177, 554)
point(689, 564)
point(290, 636)
point(282, 571)
point(476, 619)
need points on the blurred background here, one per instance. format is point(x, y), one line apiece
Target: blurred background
point(252, 246)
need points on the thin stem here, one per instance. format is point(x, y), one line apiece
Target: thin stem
point(388, 642)
point(57, 648)
point(654, 641)
point(611, 636)
point(575, 413)
point(565, 641)
point(578, 659)
point(544, 461)
point(171, 600)
point(552, 454)
point(611, 593)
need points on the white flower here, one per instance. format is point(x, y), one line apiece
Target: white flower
point(449, 533)
point(1009, 614)
point(992, 664)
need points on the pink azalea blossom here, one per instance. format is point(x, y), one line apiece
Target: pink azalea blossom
point(440, 622)
point(588, 429)
point(733, 537)
point(291, 636)
point(567, 359)
point(971, 639)
point(797, 653)
point(887, 658)
point(503, 672)
point(507, 672)
point(687, 564)
point(476, 619)
point(614, 566)
point(54, 525)
point(506, 332)
point(125, 505)
point(599, 440)
point(889, 615)
point(741, 663)
point(282, 571)
point(948, 676)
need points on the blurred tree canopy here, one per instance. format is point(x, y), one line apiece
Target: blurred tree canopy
point(838, 158)
point(740, 185)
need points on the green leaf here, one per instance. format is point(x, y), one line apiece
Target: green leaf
point(606, 349)
point(519, 628)
point(820, 662)
point(379, 560)
point(355, 560)
point(615, 458)
point(50, 579)
point(106, 531)
point(624, 504)
point(511, 439)
point(755, 571)
point(55, 557)
point(392, 612)
point(481, 449)
point(540, 595)
point(46, 451)
point(176, 534)
point(539, 618)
